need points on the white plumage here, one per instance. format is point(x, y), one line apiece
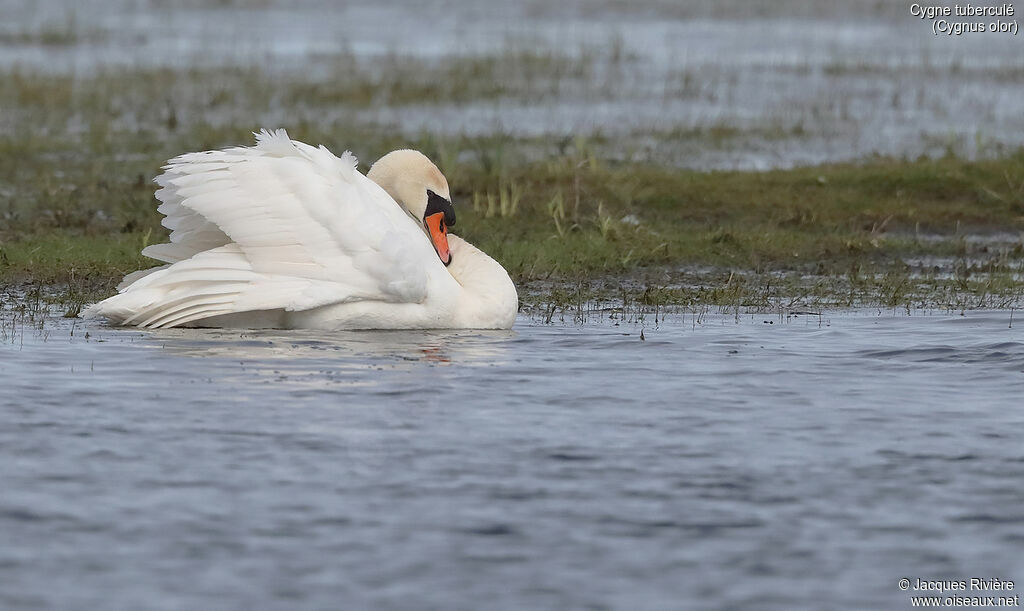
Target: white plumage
point(288, 235)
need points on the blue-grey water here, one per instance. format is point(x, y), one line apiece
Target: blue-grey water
point(758, 462)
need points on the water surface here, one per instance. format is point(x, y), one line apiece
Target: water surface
point(758, 462)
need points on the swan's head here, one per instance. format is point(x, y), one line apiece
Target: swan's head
point(421, 189)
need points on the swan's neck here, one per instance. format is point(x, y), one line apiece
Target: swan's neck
point(489, 299)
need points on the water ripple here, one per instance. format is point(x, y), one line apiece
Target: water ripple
point(550, 467)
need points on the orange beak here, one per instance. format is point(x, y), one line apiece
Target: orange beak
point(439, 236)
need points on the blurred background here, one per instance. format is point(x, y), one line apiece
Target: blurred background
point(728, 84)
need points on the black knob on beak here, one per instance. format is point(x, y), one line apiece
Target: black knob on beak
point(436, 203)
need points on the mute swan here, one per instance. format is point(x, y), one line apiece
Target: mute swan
point(285, 235)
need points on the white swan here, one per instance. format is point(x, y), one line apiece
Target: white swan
point(286, 235)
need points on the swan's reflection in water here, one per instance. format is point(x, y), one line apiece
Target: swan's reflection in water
point(304, 358)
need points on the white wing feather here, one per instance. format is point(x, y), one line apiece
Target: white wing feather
point(281, 225)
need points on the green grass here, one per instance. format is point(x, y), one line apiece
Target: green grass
point(839, 233)
point(80, 152)
point(818, 221)
point(93, 262)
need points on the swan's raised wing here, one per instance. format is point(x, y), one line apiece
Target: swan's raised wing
point(281, 225)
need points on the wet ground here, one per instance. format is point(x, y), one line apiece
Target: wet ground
point(717, 462)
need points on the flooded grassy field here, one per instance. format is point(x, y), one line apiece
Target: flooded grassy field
point(584, 140)
point(768, 355)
